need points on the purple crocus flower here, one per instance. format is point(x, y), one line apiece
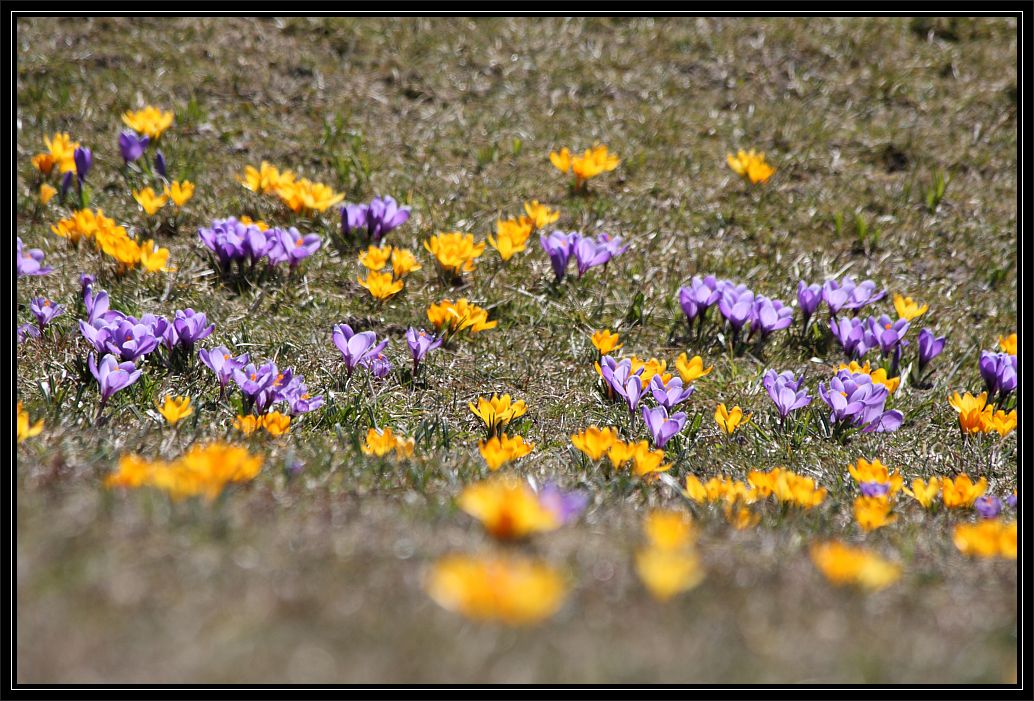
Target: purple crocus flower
point(111, 375)
point(671, 395)
point(854, 335)
point(663, 427)
point(83, 158)
point(378, 364)
point(888, 334)
point(66, 185)
point(998, 371)
point(30, 261)
point(930, 347)
point(255, 380)
point(699, 296)
point(353, 217)
point(589, 254)
point(44, 310)
point(191, 327)
point(809, 297)
point(785, 390)
point(355, 347)
point(736, 304)
point(297, 247)
point(615, 245)
point(230, 240)
point(162, 329)
point(159, 164)
point(222, 363)
point(127, 339)
point(566, 506)
point(855, 399)
point(559, 247)
point(420, 344)
point(988, 506)
point(131, 145)
point(768, 315)
point(874, 489)
point(1010, 501)
point(383, 215)
point(27, 331)
point(848, 295)
point(298, 397)
point(625, 383)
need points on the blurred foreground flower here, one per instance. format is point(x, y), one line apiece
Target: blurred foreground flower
point(381, 442)
point(502, 449)
point(843, 564)
point(669, 563)
point(201, 471)
point(507, 508)
point(27, 429)
point(508, 589)
point(988, 538)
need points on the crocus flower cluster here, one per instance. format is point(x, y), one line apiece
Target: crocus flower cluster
point(737, 304)
point(234, 241)
point(855, 399)
point(222, 362)
point(786, 391)
point(750, 165)
point(998, 371)
point(361, 349)
point(372, 221)
point(112, 240)
point(265, 385)
point(587, 252)
point(593, 162)
point(669, 563)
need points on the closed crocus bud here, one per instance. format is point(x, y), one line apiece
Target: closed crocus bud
point(83, 162)
point(930, 347)
point(159, 164)
point(131, 145)
point(808, 297)
point(66, 184)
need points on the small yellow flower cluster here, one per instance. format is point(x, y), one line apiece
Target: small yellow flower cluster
point(750, 165)
point(60, 152)
point(511, 235)
point(500, 449)
point(591, 163)
point(113, 241)
point(873, 511)
point(508, 589)
point(298, 195)
point(454, 317)
point(382, 285)
point(842, 564)
point(274, 423)
point(598, 442)
point(201, 471)
point(149, 121)
point(977, 416)
point(174, 409)
point(787, 487)
point(606, 341)
point(988, 538)
point(150, 201)
point(507, 508)
point(669, 564)
point(382, 442)
point(27, 429)
point(455, 252)
point(958, 493)
point(879, 375)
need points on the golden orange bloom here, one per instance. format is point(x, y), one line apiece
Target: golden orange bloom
point(454, 251)
point(620, 453)
point(459, 316)
point(876, 471)
point(511, 590)
point(873, 512)
point(180, 192)
point(62, 152)
point(403, 262)
point(500, 450)
point(276, 424)
point(27, 429)
point(669, 529)
point(511, 236)
point(648, 463)
point(925, 492)
point(304, 195)
point(1002, 422)
point(651, 367)
point(605, 341)
point(498, 411)
point(507, 508)
point(740, 517)
point(381, 285)
point(375, 257)
point(43, 162)
point(987, 538)
point(907, 308)
point(248, 221)
point(46, 192)
point(1008, 343)
point(787, 486)
point(691, 369)
point(729, 419)
point(380, 443)
point(149, 121)
point(878, 376)
point(201, 471)
point(595, 442)
point(843, 564)
point(149, 200)
point(175, 408)
point(961, 492)
point(751, 166)
point(247, 423)
point(266, 179)
point(666, 573)
point(541, 215)
point(975, 416)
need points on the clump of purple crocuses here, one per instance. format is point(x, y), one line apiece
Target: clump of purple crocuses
point(264, 385)
point(855, 400)
point(622, 382)
point(785, 390)
point(587, 252)
point(232, 242)
point(661, 425)
point(30, 261)
point(998, 370)
point(738, 305)
point(370, 222)
point(361, 349)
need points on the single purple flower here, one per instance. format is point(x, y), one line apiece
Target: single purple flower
point(297, 247)
point(768, 315)
point(191, 327)
point(663, 427)
point(566, 506)
point(131, 145)
point(254, 380)
point(671, 395)
point(44, 310)
point(222, 363)
point(27, 331)
point(699, 296)
point(785, 390)
point(83, 158)
point(111, 375)
point(809, 297)
point(848, 295)
point(378, 364)
point(1010, 501)
point(988, 506)
point(420, 344)
point(299, 399)
point(66, 185)
point(30, 261)
point(383, 215)
point(888, 334)
point(559, 247)
point(930, 347)
point(614, 244)
point(589, 254)
point(736, 304)
point(159, 164)
point(355, 347)
point(854, 335)
point(353, 217)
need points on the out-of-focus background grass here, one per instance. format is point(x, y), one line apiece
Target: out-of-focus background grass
point(317, 577)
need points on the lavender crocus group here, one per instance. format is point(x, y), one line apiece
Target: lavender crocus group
point(372, 221)
point(785, 390)
point(622, 381)
point(232, 241)
point(998, 370)
point(587, 252)
point(855, 400)
point(738, 305)
point(265, 385)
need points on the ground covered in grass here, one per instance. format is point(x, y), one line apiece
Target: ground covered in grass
point(316, 570)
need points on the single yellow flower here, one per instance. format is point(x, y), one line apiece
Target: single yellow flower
point(1008, 343)
point(154, 259)
point(180, 193)
point(907, 308)
point(507, 508)
point(276, 424)
point(266, 179)
point(651, 367)
point(730, 419)
point(666, 573)
point(44, 162)
point(304, 195)
point(925, 492)
point(961, 492)
point(454, 251)
point(605, 341)
point(375, 257)
point(620, 453)
point(380, 443)
point(149, 200)
point(751, 166)
point(27, 429)
point(1002, 422)
point(498, 411)
point(500, 450)
point(403, 262)
point(62, 152)
point(595, 442)
point(46, 192)
point(975, 416)
point(876, 471)
point(540, 214)
point(561, 160)
point(842, 564)
point(175, 408)
point(787, 486)
point(381, 285)
point(873, 512)
point(248, 221)
point(691, 370)
point(648, 463)
point(247, 424)
point(511, 590)
point(669, 529)
point(149, 121)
